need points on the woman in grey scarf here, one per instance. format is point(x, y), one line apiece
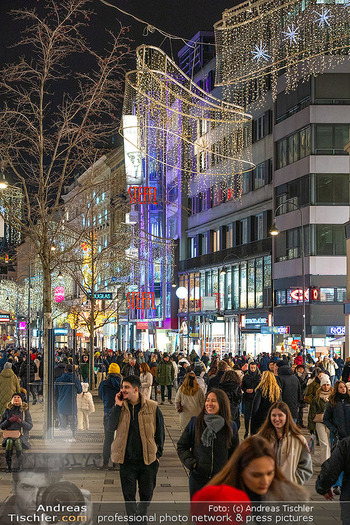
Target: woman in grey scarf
point(208, 440)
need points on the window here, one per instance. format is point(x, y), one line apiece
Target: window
point(260, 128)
point(330, 239)
point(229, 236)
point(259, 176)
point(330, 139)
point(293, 148)
point(103, 196)
point(203, 249)
point(331, 188)
point(327, 295)
point(244, 231)
point(243, 297)
point(259, 227)
point(259, 296)
point(341, 295)
point(246, 178)
point(216, 241)
point(251, 283)
point(280, 297)
point(332, 88)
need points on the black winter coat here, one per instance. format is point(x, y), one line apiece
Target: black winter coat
point(26, 424)
point(250, 381)
point(337, 418)
point(208, 460)
point(58, 371)
point(346, 373)
point(234, 394)
point(214, 381)
point(260, 409)
point(23, 372)
point(291, 389)
point(108, 390)
point(332, 468)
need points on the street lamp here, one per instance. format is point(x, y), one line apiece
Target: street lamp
point(274, 232)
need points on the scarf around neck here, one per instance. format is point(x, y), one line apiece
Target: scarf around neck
point(214, 424)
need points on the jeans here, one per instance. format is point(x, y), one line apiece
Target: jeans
point(109, 437)
point(68, 419)
point(132, 473)
point(247, 408)
point(162, 391)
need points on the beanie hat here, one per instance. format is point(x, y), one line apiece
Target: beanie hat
point(165, 354)
point(114, 368)
point(205, 497)
point(7, 365)
point(282, 362)
point(16, 394)
point(325, 380)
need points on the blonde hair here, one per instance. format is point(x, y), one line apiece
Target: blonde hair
point(269, 386)
point(186, 387)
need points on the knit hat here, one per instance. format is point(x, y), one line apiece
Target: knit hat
point(16, 394)
point(204, 498)
point(325, 380)
point(165, 354)
point(282, 362)
point(7, 365)
point(114, 368)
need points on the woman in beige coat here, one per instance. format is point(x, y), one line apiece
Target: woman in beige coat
point(146, 379)
point(189, 399)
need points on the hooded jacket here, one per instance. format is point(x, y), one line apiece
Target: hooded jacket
point(9, 385)
point(108, 390)
point(234, 394)
point(25, 426)
point(291, 389)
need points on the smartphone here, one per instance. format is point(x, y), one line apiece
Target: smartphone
point(120, 395)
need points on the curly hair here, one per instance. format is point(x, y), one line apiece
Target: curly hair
point(190, 385)
point(269, 387)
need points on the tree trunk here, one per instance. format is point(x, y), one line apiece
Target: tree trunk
point(47, 325)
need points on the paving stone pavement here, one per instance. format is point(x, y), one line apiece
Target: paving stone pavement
point(172, 479)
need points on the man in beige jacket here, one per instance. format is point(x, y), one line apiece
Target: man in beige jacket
point(138, 443)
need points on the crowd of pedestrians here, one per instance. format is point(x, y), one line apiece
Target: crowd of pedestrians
point(273, 396)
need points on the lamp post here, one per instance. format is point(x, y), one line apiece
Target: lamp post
point(274, 232)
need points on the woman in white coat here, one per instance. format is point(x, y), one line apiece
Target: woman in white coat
point(146, 379)
point(189, 400)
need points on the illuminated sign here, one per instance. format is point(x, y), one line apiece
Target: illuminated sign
point(132, 154)
point(103, 295)
point(337, 330)
point(59, 294)
point(22, 325)
point(60, 331)
point(4, 318)
point(142, 195)
point(280, 330)
point(297, 294)
point(142, 325)
point(141, 300)
point(256, 320)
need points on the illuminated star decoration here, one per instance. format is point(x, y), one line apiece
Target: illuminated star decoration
point(292, 34)
point(260, 52)
point(323, 17)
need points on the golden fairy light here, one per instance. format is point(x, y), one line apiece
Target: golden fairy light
point(193, 137)
point(258, 40)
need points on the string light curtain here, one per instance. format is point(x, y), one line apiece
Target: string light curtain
point(259, 40)
point(180, 126)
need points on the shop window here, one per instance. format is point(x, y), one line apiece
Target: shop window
point(341, 295)
point(327, 295)
point(251, 283)
point(236, 297)
point(243, 276)
point(280, 297)
point(259, 295)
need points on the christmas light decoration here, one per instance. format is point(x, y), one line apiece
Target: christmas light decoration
point(180, 127)
point(258, 40)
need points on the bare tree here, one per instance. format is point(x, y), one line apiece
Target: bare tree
point(54, 119)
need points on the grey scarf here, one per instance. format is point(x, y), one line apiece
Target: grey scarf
point(213, 423)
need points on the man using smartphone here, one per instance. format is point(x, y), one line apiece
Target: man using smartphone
point(138, 443)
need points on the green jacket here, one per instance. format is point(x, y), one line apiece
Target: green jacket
point(311, 390)
point(165, 373)
point(318, 406)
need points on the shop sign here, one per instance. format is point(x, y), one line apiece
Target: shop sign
point(22, 325)
point(297, 294)
point(280, 330)
point(141, 300)
point(142, 325)
point(4, 318)
point(60, 331)
point(296, 344)
point(102, 295)
point(337, 330)
point(59, 294)
point(79, 334)
point(142, 195)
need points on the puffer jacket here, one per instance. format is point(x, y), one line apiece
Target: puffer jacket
point(249, 382)
point(108, 390)
point(291, 390)
point(318, 406)
point(9, 385)
point(23, 373)
point(26, 422)
point(208, 460)
point(337, 417)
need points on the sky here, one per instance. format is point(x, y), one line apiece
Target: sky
point(179, 17)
